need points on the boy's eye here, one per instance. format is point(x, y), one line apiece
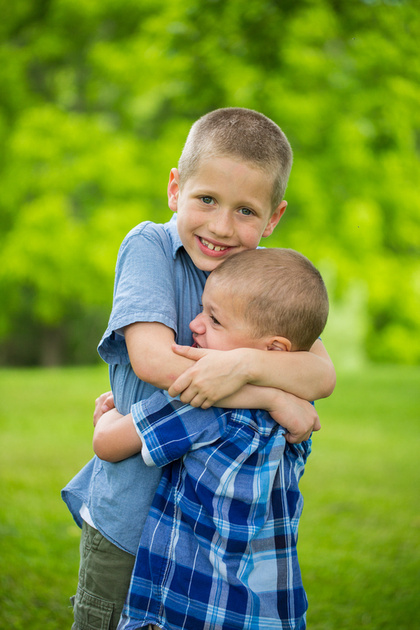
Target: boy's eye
point(246, 212)
point(214, 320)
point(207, 200)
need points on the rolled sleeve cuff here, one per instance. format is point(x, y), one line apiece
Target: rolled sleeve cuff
point(147, 458)
point(138, 421)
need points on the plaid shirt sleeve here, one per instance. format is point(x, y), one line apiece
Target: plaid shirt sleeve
point(169, 428)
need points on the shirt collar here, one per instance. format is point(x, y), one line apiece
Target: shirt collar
point(174, 236)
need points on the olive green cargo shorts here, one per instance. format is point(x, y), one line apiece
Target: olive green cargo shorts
point(104, 578)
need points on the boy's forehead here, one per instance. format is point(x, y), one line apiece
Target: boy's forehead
point(215, 157)
point(220, 289)
point(221, 169)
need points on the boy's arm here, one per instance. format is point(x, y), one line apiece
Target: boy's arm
point(165, 425)
point(218, 374)
point(145, 306)
point(298, 416)
point(115, 437)
point(308, 375)
point(150, 348)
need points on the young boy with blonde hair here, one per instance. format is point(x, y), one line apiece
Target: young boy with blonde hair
point(227, 193)
point(219, 547)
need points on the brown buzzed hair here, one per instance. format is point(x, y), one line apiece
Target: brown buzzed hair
point(280, 293)
point(243, 134)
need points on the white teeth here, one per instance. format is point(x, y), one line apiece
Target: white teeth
point(215, 248)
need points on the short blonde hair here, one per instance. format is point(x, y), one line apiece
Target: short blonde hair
point(243, 134)
point(279, 292)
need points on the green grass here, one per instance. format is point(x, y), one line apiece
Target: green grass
point(360, 532)
point(359, 540)
point(45, 429)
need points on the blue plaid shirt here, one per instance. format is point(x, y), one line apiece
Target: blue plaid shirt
point(218, 551)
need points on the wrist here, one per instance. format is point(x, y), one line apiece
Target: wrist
point(276, 399)
point(247, 365)
point(238, 363)
point(269, 399)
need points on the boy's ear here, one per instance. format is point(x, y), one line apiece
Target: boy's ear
point(279, 343)
point(275, 218)
point(173, 189)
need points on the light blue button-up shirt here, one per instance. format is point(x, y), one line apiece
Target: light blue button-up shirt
point(155, 281)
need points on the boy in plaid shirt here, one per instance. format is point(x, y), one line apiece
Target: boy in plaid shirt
point(218, 551)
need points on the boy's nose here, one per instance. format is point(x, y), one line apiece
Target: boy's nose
point(197, 325)
point(221, 224)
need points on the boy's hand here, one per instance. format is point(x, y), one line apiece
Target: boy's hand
point(216, 374)
point(115, 437)
point(298, 416)
point(104, 403)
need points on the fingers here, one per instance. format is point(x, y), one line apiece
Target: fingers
point(195, 398)
point(108, 403)
point(192, 396)
point(103, 397)
point(297, 439)
point(303, 429)
point(191, 399)
point(104, 403)
point(188, 386)
point(180, 385)
point(189, 352)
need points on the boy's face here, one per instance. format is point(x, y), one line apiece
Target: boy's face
point(221, 326)
point(223, 209)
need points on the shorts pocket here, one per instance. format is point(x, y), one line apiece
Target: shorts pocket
point(91, 612)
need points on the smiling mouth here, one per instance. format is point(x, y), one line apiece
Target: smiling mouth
point(212, 247)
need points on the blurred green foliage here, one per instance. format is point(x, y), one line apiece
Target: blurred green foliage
point(96, 100)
